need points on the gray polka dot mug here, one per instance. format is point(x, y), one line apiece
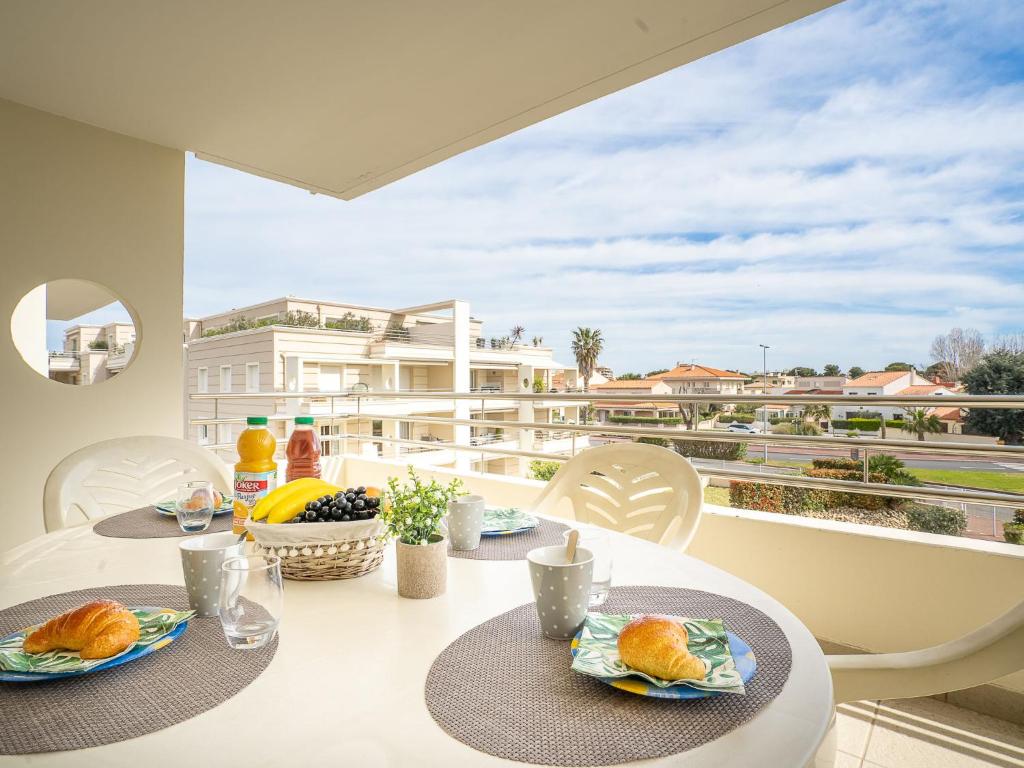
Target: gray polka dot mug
point(562, 589)
point(465, 521)
point(201, 559)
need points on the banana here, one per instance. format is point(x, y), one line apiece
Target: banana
point(272, 499)
point(290, 506)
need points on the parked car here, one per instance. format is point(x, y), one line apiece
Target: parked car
point(747, 429)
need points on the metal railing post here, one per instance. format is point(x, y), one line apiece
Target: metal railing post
point(867, 471)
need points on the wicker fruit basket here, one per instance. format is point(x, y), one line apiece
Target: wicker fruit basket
point(322, 551)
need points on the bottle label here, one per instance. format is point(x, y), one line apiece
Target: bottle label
point(250, 487)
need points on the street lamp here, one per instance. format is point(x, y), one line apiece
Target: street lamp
point(764, 405)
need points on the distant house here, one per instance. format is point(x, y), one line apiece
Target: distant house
point(693, 379)
point(887, 383)
point(605, 409)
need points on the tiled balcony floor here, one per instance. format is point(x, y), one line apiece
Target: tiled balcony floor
point(924, 733)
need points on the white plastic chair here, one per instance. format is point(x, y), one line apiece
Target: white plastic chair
point(979, 657)
point(125, 473)
point(633, 488)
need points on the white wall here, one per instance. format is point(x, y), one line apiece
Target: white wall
point(79, 202)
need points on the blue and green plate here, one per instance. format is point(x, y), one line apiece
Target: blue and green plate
point(159, 628)
point(729, 660)
point(503, 521)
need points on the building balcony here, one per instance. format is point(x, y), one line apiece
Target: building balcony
point(65, 362)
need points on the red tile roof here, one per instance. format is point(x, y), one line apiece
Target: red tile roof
point(948, 414)
point(694, 371)
point(921, 389)
point(877, 378)
point(644, 406)
point(627, 384)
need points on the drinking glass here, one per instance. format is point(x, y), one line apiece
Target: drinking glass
point(194, 509)
point(599, 542)
point(251, 600)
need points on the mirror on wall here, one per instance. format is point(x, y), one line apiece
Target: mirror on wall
point(75, 332)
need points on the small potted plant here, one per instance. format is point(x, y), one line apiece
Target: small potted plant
point(1013, 531)
point(412, 514)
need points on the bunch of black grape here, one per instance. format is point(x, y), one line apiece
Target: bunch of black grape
point(350, 504)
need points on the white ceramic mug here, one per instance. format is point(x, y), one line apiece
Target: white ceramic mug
point(201, 559)
point(465, 521)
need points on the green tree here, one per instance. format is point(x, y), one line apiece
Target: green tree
point(892, 468)
point(997, 373)
point(831, 370)
point(898, 366)
point(801, 370)
point(543, 470)
point(630, 377)
point(516, 334)
point(587, 346)
point(920, 421)
point(855, 371)
point(655, 372)
point(818, 412)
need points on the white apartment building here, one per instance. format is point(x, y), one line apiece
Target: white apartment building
point(321, 347)
point(92, 353)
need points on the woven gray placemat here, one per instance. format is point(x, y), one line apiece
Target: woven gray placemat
point(148, 523)
point(514, 546)
point(505, 689)
point(191, 675)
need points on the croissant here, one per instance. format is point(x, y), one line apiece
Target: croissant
point(97, 630)
point(656, 645)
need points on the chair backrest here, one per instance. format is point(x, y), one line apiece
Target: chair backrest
point(125, 473)
point(634, 488)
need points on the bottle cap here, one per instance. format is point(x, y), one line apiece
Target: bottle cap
point(256, 421)
point(303, 419)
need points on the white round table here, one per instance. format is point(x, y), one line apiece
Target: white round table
point(346, 685)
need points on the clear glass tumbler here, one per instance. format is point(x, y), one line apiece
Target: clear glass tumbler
point(251, 600)
point(194, 508)
point(599, 542)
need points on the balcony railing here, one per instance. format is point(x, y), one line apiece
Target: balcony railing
point(867, 446)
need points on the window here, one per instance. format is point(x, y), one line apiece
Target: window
point(203, 380)
point(203, 433)
point(223, 433)
point(252, 377)
point(326, 446)
point(225, 378)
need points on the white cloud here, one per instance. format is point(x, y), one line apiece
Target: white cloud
point(843, 188)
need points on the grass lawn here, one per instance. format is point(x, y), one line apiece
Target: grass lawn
point(1012, 482)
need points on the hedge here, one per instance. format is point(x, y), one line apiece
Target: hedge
point(741, 418)
point(864, 425)
point(543, 470)
point(711, 449)
point(929, 518)
point(661, 442)
point(859, 500)
point(895, 423)
point(837, 463)
point(670, 421)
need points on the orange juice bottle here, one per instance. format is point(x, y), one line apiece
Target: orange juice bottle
point(256, 470)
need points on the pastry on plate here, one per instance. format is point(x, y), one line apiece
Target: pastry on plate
point(656, 645)
point(97, 630)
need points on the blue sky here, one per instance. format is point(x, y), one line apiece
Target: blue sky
point(842, 189)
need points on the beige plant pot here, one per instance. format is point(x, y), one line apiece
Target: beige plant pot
point(422, 569)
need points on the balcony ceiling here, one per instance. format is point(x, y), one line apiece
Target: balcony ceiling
point(345, 97)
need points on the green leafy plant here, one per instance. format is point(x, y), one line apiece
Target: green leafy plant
point(587, 345)
point(412, 511)
point(349, 322)
point(929, 518)
point(538, 384)
point(543, 470)
point(997, 373)
point(920, 421)
point(739, 418)
point(1013, 533)
point(98, 344)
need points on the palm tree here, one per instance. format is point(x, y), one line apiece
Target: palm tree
point(818, 412)
point(517, 333)
point(920, 421)
point(538, 340)
point(587, 346)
